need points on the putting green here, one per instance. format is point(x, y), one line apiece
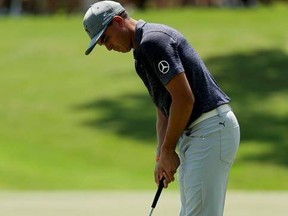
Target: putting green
point(131, 203)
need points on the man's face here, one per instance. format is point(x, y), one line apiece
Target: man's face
point(116, 36)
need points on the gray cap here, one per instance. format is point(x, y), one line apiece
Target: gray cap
point(97, 18)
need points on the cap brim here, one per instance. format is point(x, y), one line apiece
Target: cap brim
point(94, 41)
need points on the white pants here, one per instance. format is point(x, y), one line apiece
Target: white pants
point(207, 152)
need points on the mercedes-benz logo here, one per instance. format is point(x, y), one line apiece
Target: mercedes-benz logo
point(163, 66)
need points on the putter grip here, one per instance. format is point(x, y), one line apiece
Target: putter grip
point(157, 195)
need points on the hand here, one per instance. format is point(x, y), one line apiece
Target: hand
point(166, 167)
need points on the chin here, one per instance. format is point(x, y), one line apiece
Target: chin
point(127, 50)
point(124, 50)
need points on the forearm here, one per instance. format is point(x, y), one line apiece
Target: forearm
point(170, 129)
point(180, 112)
point(161, 126)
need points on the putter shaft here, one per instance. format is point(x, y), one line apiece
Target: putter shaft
point(151, 211)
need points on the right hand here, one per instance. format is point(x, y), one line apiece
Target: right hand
point(166, 167)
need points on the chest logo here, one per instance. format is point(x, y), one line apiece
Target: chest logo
point(163, 66)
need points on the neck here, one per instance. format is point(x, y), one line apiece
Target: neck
point(131, 25)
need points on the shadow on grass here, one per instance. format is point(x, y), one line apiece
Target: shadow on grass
point(131, 115)
point(249, 79)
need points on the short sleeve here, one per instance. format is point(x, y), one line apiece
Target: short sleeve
point(160, 52)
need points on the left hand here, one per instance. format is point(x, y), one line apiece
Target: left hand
point(166, 167)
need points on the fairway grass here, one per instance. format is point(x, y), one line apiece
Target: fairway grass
point(75, 122)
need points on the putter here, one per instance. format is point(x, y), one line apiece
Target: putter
point(157, 195)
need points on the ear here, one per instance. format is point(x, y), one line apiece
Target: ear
point(119, 20)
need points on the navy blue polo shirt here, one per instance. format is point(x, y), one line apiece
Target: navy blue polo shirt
point(162, 53)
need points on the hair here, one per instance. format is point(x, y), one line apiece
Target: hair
point(124, 15)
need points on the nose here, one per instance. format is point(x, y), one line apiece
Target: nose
point(107, 45)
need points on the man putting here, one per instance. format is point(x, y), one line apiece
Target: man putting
point(192, 111)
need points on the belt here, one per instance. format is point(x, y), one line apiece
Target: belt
point(214, 112)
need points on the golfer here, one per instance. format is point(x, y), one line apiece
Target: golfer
point(193, 113)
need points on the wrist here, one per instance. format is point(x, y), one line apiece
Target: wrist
point(167, 149)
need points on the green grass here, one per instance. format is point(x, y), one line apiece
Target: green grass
point(68, 121)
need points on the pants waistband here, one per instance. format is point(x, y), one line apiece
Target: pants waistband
point(217, 111)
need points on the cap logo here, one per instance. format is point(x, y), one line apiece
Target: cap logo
point(163, 67)
point(106, 18)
